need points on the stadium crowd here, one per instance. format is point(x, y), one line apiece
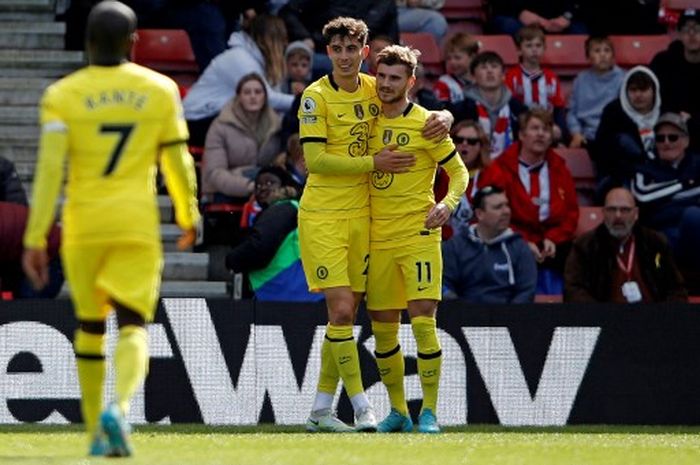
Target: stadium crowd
point(639, 127)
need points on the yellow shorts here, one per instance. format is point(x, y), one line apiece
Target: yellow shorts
point(128, 273)
point(400, 274)
point(334, 252)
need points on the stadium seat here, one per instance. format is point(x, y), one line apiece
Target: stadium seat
point(470, 27)
point(588, 218)
point(638, 50)
point(463, 9)
point(431, 57)
point(167, 51)
point(670, 11)
point(565, 54)
point(582, 170)
point(501, 44)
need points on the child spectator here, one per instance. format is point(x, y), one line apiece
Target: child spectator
point(532, 84)
point(376, 45)
point(593, 89)
point(298, 60)
point(459, 51)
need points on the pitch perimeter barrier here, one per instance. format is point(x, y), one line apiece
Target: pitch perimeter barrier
point(242, 362)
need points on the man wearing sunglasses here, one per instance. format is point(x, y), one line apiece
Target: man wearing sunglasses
point(621, 261)
point(668, 191)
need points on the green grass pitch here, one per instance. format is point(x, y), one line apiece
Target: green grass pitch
point(473, 445)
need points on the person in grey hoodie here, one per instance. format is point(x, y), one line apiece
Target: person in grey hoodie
point(487, 262)
point(593, 89)
point(258, 49)
point(490, 102)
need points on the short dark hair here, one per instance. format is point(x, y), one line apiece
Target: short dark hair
point(346, 27)
point(533, 31)
point(284, 176)
point(486, 57)
point(593, 40)
point(479, 198)
point(640, 80)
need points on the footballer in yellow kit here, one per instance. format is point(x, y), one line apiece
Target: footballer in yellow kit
point(115, 123)
point(405, 258)
point(334, 208)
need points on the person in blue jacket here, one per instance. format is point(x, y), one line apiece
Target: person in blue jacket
point(487, 262)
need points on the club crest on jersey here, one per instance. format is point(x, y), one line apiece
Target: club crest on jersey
point(381, 180)
point(308, 105)
point(322, 272)
point(373, 109)
point(403, 139)
point(359, 111)
point(386, 138)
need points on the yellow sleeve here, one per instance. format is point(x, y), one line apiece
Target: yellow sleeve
point(178, 170)
point(459, 178)
point(318, 161)
point(48, 177)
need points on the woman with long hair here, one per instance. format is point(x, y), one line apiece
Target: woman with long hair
point(259, 48)
point(241, 140)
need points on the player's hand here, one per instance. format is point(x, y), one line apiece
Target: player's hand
point(438, 125)
point(536, 252)
point(187, 239)
point(390, 161)
point(549, 248)
point(437, 216)
point(35, 263)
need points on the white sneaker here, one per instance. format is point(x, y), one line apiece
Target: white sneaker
point(366, 420)
point(324, 421)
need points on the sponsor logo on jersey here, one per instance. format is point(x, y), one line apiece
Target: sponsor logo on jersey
point(403, 139)
point(308, 105)
point(373, 109)
point(322, 272)
point(359, 111)
point(386, 138)
point(381, 180)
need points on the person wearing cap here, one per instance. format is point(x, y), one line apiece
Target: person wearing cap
point(621, 261)
point(678, 71)
point(668, 191)
point(298, 58)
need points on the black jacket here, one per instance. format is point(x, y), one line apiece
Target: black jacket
point(11, 189)
point(680, 89)
point(306, 18)
point(590, 265)
point(546, 8)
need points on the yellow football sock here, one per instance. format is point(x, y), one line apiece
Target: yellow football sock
point(390, 362)
point(90, 357)
point(429, 358)
point(328, 377)
point(344, 349)
point(130, 363)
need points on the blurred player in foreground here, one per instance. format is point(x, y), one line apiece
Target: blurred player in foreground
point(112, 122)
point(405, 261)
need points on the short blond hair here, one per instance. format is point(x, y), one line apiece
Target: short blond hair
point(399, 55)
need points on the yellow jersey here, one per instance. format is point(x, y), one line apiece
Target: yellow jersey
point(343, 122)
point(400, 202)
point(114, 121)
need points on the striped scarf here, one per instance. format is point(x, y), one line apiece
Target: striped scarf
point(502, 132)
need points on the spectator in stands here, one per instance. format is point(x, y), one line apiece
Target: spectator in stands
point(593, 89)
point(532, 84)
point(13, 221)
point(422, 93)
point(298, 58)
point(668, 191)
point(241, 140)
point(11, 189)
point(422, 16)
point(625, 136)
point(490, 102)
point(459, 51)
point(678, 70)
point(376, 45)
point(621, 17)
point(487, 262)
point(270, 253)
point(554, 16)
point(259, 48)
point(541, 193)
point(305, 20)
point(295, 163)
point(621, 261)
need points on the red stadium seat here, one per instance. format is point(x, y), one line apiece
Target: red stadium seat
point(431, 57)
point(167, 51)
point(582, 170)
point(565, 54)
point(463, 9)
point(501, 44)
point(588, 219)
point(638, 50)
